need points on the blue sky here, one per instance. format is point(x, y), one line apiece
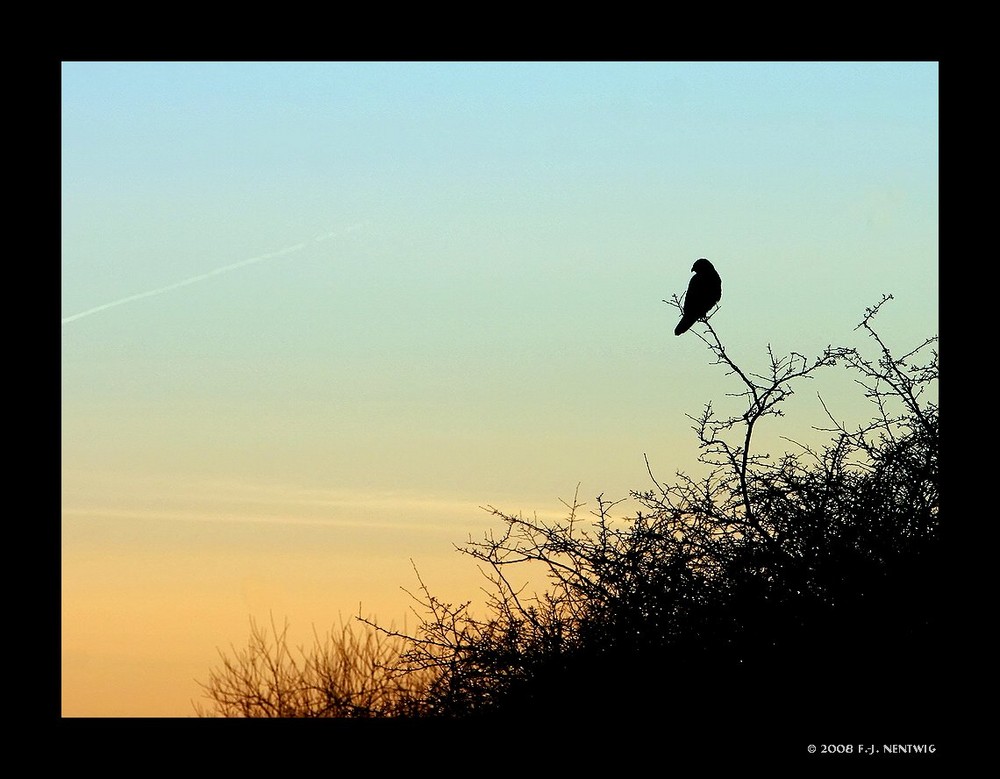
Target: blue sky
point(344, 305)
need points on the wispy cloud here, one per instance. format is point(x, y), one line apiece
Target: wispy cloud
point(240, 503)
point(215, 272)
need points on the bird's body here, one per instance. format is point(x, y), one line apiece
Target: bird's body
point(704, 291)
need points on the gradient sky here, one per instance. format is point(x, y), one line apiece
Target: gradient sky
point(316, 314)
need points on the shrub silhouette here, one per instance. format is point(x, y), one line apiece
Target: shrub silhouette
point(794, 586)
point(346, 674)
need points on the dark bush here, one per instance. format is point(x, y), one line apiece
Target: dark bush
point(806, 588)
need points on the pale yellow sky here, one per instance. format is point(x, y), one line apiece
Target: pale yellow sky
point(154, 582)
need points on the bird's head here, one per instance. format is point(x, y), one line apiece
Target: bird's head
point(701, 264)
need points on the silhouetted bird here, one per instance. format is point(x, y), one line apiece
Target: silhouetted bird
point(704, 291)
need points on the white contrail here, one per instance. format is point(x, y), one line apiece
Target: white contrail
point(209, 274)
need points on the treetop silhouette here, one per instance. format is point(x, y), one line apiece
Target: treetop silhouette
point(771, 585)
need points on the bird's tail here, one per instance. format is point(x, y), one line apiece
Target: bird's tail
point(684, 324)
